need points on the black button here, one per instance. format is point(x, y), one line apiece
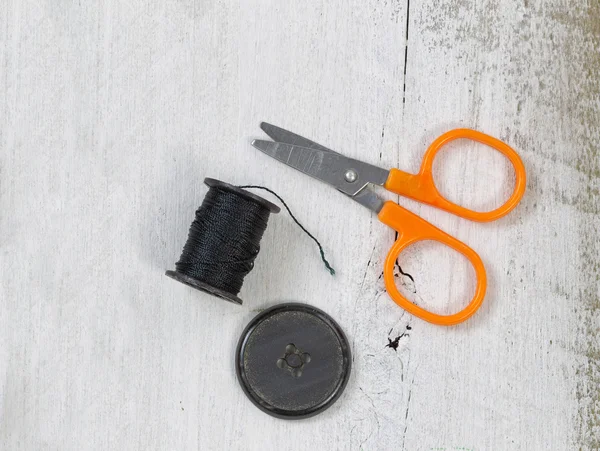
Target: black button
point(293, 361)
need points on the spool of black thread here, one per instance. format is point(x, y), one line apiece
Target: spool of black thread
point(223, 240)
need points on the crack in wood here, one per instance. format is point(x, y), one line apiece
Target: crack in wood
point(405, 55)
point(410, 388)
point(393, 344)
point(376, 417)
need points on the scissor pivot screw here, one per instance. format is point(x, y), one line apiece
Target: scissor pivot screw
point(351, 175)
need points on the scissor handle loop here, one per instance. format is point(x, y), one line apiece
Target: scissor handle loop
point(421, 186)
point(411, 228)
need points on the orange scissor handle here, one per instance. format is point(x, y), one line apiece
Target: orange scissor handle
point(411, 228)
point(421, 186)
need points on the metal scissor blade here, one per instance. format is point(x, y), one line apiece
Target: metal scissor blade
point(329, 167)
point(278, 134)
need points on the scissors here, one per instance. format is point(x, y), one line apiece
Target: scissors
point(352, 178)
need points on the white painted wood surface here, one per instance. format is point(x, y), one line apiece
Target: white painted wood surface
point(113, 112)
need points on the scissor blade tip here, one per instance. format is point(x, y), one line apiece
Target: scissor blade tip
point(261, 144)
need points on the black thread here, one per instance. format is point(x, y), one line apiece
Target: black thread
point(224, 239)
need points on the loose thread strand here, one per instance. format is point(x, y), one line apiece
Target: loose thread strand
point(321, 251)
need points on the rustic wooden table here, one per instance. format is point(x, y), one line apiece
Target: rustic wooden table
point(111, 115)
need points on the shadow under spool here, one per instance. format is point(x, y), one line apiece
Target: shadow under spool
point(204, 285)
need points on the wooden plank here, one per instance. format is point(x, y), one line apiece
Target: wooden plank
point(112, 115)
point(522, 72)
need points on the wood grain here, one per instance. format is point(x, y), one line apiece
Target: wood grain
point(112, 113)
